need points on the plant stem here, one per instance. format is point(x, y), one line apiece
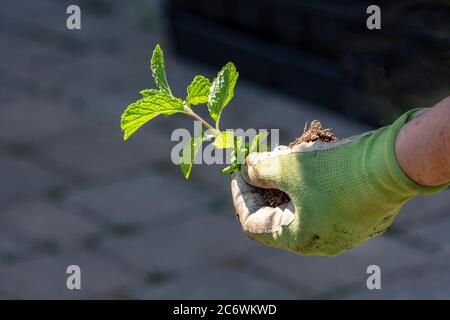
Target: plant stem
point(217, 123)
point(206, 124)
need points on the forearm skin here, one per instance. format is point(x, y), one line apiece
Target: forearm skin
point(423, 146)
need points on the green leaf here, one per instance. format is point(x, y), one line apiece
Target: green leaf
point(257, 143)
point(148, 92)
point(143, 110)
point(188, 153)
point(159, 70)
point(222, 90)
point(233, 79)
point(224, 140)
point(198, 90)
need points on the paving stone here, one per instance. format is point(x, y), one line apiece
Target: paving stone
point(22, 178)
point(99, 71)
point(145, 199)
point(326, 274)
point(137, 45)
point(112, 27)
point(7, 243)
point(14, 86)
point(27, 120)
point(21, 57)
point(103, 77)
point(29, 15)
point(213, 283)
point(427, 281)
point(19, 49)
point(193, 242)
point(12, 248)
point(438, 232)
point(45, 278)
point(40, 222)
point(98, 151)
point(47, 23)
point(423, 210)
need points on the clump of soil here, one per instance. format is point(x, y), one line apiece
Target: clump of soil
point(275, 198)
point(315, 132)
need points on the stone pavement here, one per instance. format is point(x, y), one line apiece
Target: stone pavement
point(72, 192)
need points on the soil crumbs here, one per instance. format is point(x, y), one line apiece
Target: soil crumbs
point(313, 133)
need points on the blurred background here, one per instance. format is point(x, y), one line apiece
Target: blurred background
point(72, 192)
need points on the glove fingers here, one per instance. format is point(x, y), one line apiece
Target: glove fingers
point(251, 211)
point(260, 173)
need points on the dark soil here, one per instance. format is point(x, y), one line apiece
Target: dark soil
point(275, 198)
point(315, 132)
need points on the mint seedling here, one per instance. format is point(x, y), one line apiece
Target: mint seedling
point(216, 95)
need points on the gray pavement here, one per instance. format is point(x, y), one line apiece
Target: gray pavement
point(72, 192)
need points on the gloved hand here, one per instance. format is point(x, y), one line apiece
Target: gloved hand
point(342, 193)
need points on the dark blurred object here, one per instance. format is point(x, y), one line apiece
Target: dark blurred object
point(322, 50)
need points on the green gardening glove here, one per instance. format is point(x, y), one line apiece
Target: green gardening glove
point(342, 193)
